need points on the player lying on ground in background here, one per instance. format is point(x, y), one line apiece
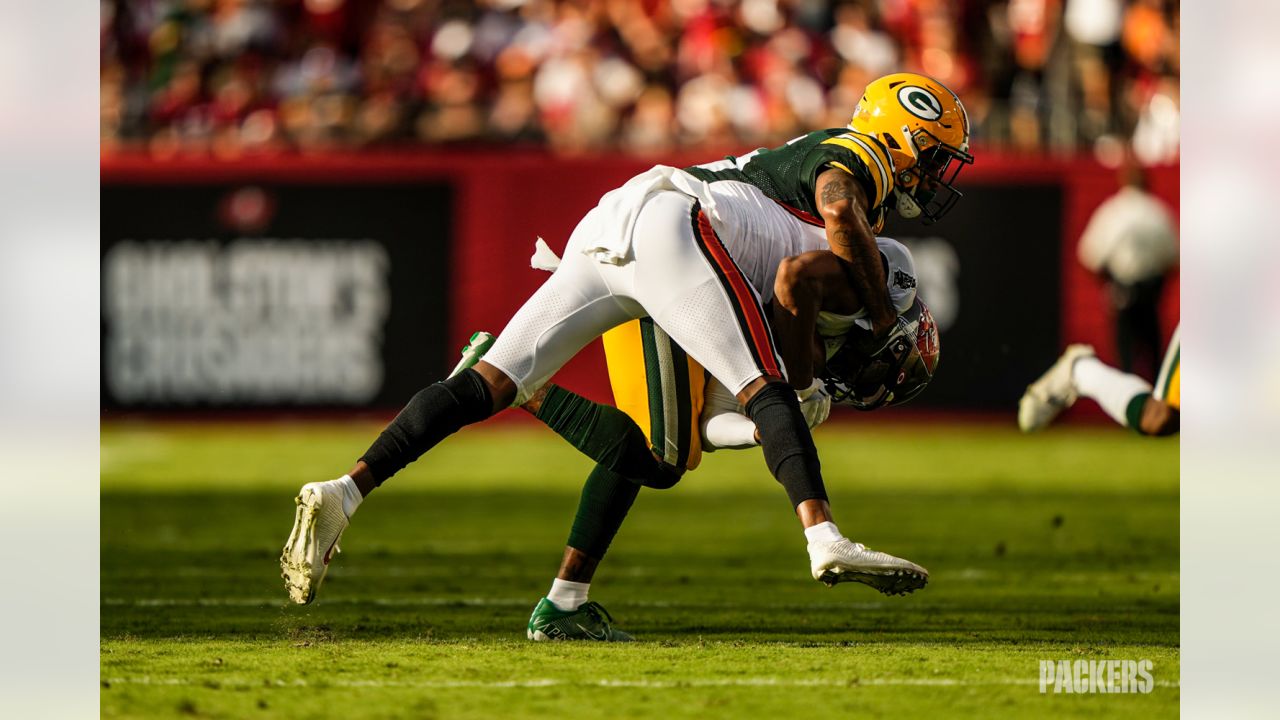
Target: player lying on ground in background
point(694, 250)
point(1128, 399)
point(657, 387)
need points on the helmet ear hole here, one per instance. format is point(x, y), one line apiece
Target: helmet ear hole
point(891, 141)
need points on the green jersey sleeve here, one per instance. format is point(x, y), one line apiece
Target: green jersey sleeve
point(859, 155)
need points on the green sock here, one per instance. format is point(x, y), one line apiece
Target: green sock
point(1133, 411)
point(606, 498)
point(604, 434)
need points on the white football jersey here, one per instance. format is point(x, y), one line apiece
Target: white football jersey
point(759, 232)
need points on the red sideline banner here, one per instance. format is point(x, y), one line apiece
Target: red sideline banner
point(1023, 212)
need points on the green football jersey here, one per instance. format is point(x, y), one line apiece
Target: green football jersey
point(789, 173)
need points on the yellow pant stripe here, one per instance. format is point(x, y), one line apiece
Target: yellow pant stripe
point(659, 387)
point(1169, 382)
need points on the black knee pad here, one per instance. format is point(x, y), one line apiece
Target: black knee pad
point(788, 446)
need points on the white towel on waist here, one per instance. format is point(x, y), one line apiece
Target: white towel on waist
point(619, 208)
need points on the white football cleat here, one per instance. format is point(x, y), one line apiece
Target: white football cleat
point(317, 527)
point(848, 561)
point(1054, 392)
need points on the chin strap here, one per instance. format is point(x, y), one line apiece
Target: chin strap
point(907, 205)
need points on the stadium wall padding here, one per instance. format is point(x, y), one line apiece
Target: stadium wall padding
point(442, 239)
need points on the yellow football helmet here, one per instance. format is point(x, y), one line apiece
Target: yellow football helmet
point(925, 128)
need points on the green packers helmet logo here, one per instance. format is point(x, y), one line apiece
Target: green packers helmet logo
point(920, 102)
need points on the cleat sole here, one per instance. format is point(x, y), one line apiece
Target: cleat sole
point(889, 582)
point(294, 567)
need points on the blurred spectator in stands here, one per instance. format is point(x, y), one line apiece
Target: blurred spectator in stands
point(318, 97)
point(845, 94)
point(708, 106)
point(112, 105)
point(1158, 127)
point(1131, 242)
point(860, 44)
point(389, 61)
point(648, 129)
point(1033, 25)
point(792, 100)
point(1093, 27)
point(452, 111)
point(1150, 40)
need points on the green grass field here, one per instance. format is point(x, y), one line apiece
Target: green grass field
point(1058, 546)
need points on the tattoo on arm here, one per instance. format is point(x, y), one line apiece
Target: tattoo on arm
point(836, 189)
point(844, 209)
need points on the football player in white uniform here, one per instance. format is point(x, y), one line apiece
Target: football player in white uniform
point(666, 406)
point(695, 250)
point(1128, 399)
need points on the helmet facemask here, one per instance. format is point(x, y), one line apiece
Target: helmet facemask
point(866, 382)
point(893, 375)
point(927, 188)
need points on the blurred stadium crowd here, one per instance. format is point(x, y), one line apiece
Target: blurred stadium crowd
point(242, 77)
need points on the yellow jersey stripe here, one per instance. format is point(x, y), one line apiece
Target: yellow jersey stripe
point(883, 161)
point(842, 166)
point(864, 152)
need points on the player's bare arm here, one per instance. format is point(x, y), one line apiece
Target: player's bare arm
point(797, 297)
point(805, 284)
point(843, 205)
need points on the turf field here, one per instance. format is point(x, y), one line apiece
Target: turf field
point(1062, 546)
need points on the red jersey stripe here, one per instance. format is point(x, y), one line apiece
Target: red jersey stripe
point(758, 331)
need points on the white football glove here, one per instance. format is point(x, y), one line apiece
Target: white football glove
point(814, 386)
point(816, 406)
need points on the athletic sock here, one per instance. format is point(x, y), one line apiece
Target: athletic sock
point(1110, 388)
point(607, 435)
point(823, 532)
point(351, 496)
point(567, 595)
point(436, 412)
point(606, 499)
point(1133, 413)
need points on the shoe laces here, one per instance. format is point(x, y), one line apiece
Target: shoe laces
point(597, 611)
